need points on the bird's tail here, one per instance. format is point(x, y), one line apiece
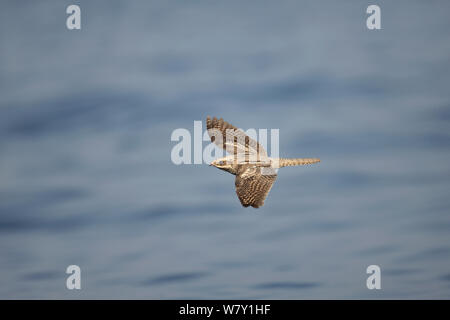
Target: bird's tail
point(283, 162)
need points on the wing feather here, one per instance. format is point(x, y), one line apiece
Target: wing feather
point(252, 186)
point(233, 140)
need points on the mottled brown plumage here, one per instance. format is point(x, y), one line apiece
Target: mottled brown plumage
point(255, 172)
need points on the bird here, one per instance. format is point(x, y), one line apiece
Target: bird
point(255, 171)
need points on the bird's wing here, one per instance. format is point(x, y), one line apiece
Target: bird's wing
point(232, 139)
point(254, 184)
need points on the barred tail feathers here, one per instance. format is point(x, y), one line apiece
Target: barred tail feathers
point(283, 162)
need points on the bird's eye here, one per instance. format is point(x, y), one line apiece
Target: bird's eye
point(221, 163)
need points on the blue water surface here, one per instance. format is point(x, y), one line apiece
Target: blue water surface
point(86, 176)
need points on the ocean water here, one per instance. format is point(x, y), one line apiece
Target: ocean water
point(86, 176)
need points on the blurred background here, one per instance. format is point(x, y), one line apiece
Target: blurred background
point(86, 176)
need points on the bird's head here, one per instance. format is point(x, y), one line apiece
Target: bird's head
point(225, 164)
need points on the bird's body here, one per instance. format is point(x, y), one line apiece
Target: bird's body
point(255, 171)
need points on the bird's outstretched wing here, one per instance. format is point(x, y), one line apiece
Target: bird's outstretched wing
point(232, 139)
point(253, 185)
